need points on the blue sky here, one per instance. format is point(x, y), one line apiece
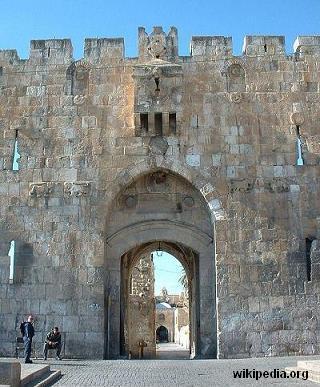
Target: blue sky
point(167, 273)
point(21, 20)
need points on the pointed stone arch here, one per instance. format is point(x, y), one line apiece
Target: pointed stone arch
point(126, 232)
point(208, 190)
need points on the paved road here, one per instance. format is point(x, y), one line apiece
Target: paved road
point(186, 373)
point(171, 351)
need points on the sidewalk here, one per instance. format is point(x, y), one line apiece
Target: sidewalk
point(166, 373)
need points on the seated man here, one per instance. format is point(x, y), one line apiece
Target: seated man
point(53, 341)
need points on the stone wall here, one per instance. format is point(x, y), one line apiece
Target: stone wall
point(229, 125)
point(141, 324)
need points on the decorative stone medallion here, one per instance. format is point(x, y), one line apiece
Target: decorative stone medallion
point(297, 118)
point(158, 145)
point(188, 201)
point(157, 46)
point(130, 201)
point(235, 97)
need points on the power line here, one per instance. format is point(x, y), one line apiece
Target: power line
point(169, 271)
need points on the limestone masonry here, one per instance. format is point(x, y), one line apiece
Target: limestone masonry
point(214, 156)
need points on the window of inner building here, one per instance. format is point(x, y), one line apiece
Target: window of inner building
point(158, 124)
point(173, 123)
point(144, 122)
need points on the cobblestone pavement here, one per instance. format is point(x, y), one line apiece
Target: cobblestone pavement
point(191, 373)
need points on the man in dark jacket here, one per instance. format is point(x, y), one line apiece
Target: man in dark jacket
point(53, 341)
point(27, 331)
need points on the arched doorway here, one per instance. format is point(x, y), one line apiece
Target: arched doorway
point(161, 207)
point(137, 301)
point(162, 335)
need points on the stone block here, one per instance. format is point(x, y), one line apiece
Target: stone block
point(254, 304)
point(89, 122)
point(193, 160)
point(10, 373)
point(70, 323)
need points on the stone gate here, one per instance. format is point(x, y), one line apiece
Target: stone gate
point(214, 155)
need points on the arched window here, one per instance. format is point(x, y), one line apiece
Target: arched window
point(77, 79)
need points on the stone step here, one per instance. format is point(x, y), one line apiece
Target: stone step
point(313, 368)
point(313, 365)
point(30, 372)
point(46, 379)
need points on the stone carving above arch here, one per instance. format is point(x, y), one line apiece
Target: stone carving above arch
point(157, 181)
point(157, 46)
point(211, 195)
point(76, 189)
point(41, 189)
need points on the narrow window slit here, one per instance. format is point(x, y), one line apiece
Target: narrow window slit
point(11, 254)
point(144, 122)
point(265, 48)
point(300, 160)
point(173, 123)
point(308, 258)
point(16, 154)
point(158, 124)
point(157, 81)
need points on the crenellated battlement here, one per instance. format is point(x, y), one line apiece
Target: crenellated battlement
point(204, 46)
point(307, 45)
point(254, 45)
point(96, 50)
point(57, 51)
point(161, 45)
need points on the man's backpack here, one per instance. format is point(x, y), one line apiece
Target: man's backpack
point(22, 328)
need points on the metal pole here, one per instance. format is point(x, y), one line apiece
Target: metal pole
point(108, 326)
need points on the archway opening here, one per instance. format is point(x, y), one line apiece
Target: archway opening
point(146, 305)
point(172, 307)
point(159, 207)
point(162, 334)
